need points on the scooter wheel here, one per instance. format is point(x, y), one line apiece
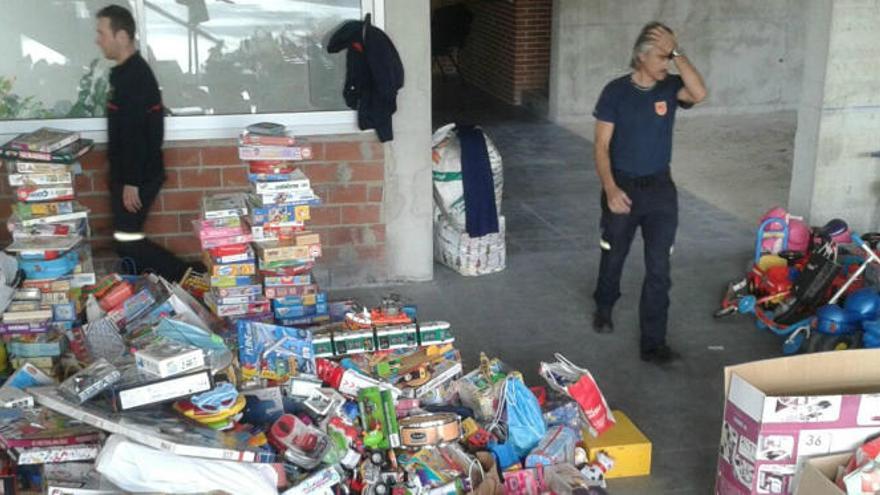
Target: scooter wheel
point(823, 342)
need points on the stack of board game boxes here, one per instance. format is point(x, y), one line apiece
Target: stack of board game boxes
point(49, 230)
point(257, 250)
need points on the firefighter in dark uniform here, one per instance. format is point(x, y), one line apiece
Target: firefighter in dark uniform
point(635, 116)
point(135, 130)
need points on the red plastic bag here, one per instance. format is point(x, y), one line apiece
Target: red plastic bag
point(579, 384)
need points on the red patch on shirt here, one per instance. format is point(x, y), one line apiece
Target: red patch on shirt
point(660, 108)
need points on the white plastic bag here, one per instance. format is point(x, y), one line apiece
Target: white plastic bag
point(448, 188)
point(137, 468)
point(94, 311)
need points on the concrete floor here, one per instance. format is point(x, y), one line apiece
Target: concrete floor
point(740, 164)
point(541, 303)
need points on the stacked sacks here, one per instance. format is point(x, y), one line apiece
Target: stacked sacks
point(453, 246)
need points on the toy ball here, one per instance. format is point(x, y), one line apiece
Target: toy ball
point(871, 337)
point(864, 302)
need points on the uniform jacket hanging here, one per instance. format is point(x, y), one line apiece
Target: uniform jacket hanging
point(374, 74)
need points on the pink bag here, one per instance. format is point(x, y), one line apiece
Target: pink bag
point(578, 383)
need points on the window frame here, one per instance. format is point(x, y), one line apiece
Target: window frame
point(200, 127)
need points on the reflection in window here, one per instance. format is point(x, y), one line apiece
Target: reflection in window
point(247, 56)
point(49, 64)
point(210, 56)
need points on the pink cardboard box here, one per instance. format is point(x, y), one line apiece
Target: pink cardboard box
point(781, 412)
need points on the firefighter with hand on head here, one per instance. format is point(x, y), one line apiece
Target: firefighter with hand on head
point(635, 116)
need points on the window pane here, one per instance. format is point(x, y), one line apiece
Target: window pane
point(50, 66)
point(247, 56)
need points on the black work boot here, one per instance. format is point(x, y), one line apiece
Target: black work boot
point(662, 354)
point(602, 320)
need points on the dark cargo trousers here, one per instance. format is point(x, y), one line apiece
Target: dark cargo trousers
point(655, 210)
point(129, 241)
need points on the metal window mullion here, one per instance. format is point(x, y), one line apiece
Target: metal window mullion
point(141, 20)
point(323, 122)
point(377, 9)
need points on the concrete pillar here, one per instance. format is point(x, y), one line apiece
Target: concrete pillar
point(839, 116)
point(409, 201)
point(750, 51)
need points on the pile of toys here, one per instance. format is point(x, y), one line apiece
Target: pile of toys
point(816, 287)
point(386, 409)
point(861, 474)
point(48, 228)
point(246, 379)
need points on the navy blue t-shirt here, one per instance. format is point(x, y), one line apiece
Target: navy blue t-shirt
point(643, 119)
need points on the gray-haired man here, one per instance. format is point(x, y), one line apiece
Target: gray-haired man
point(635, 116)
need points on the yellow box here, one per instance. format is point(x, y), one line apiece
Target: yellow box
point(629, 447)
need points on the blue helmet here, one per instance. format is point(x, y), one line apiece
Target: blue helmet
point(865, 302)
point(832, 319)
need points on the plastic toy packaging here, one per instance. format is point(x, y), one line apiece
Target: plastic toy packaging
point(102, 340)
point(565, 479)
point(567, 414)
point(274, 352)
point(436, 467)
point(324, 401)
point(303, 445)
point(556, 447)
point(90, 381)
point(524, 481)
point(217, 355)
point(578, 383)
point(479, 389)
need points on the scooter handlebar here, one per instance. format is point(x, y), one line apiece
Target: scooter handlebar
point(857, 240)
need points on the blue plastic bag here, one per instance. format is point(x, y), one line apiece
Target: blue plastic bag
point(525, 423)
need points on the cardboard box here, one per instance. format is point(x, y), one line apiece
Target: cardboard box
point(57, 453)
point(143, 390)
point(303, 246)
point(779, 412)
point(160, 429)
point(626, 444)
point(166, 358)
point(817, 476)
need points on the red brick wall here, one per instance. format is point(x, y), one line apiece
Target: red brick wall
point(508, 49)
point(347, 172)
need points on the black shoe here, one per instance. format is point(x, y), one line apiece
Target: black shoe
point(602, 321)
point(662, 354)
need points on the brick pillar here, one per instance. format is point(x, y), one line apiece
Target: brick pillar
point(508, 49)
